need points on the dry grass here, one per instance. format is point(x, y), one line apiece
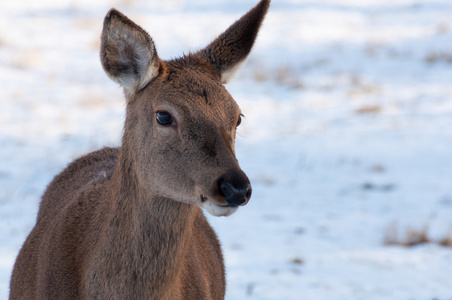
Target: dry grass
point(443, 28)
point(284, 76)
point(266, 179)
point(297, 261)
point(363, 90)
point(260, 75)
point(359, 87)
point(87, 23)
point(372, 49)
point(287, 76)
point(446, 242)
point(369, 186)
point(368, 109)
point(413, 237)
point(93, 100)
point(126, 2)
point(377, 168)
point(439, 57)
point(28, 58)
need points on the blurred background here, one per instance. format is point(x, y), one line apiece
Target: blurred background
point(347, 137)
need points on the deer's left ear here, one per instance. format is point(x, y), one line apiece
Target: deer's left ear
point(230, 49)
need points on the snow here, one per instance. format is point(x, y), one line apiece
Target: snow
point(347, 136)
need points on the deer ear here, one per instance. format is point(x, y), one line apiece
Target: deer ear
point(230, 49)
point(127, 52)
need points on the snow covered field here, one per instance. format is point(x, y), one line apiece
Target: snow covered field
point(347, 137)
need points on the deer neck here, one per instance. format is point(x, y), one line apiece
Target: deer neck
point(149, 234)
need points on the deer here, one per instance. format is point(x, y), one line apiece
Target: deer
point(128, 222)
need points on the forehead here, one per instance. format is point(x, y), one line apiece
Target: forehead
point(194, 89)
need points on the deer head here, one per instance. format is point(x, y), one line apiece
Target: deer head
point(181, 122)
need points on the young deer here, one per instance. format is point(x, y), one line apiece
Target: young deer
point(126, 223)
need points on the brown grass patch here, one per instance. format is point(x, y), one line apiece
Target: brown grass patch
point(443, 28)
point(439, 57)
point(27, 58)
point(377, 168)
point(412, 237)
point(288, 76)
point(284, 75)
point(446, 242)
point(369, 109)
point(94, 100)
point(372, 49)
point(365, 89)
point(260, 75)
point(87, 23)
point(368, 186)
point(360, 87)
point(125, 3)
point(297, 261)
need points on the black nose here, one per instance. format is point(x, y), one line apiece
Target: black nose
point(234, 196)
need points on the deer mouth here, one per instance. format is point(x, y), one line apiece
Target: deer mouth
point(230, 205)
point(217, 209)
point(204, 199)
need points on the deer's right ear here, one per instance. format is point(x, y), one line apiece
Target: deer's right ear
point(127, 52)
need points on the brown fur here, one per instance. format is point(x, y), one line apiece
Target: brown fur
point(126, 223)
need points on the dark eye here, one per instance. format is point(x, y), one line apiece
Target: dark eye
point(239, 121)
point(164, 118)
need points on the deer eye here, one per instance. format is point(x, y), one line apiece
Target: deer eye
point(164, 118)
point(239, 121)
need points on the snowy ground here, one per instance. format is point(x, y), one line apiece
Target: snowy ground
point(347, 137)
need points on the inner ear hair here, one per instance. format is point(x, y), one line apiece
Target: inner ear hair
point(127, 52)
